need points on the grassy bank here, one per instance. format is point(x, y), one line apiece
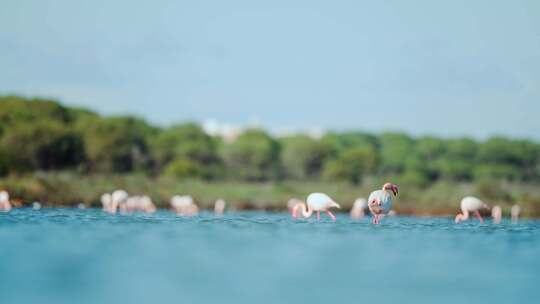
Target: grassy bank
point(442, 198)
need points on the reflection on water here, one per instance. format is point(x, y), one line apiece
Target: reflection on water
point(86, 256)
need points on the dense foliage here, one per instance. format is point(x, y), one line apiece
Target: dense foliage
point(43, 135)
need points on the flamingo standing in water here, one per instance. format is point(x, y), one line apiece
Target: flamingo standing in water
point(184, 205)
point(119, 199)
point(470, 204)
point(106, 201)
point(514, 212)
point(219, 207)
point(380, 201)
point(316, 202)
point(496, 214)
point(359, 207)
point(5, 204)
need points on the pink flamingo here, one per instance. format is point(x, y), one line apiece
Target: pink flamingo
point(316, 202)
point(470, 204)
point(496, 214)
point(5, 204)
point(380, 201)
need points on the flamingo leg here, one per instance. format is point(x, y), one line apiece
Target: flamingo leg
point(318, 215)
point(331, 215)
point(477, 214)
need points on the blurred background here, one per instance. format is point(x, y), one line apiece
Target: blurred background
point(260, 102)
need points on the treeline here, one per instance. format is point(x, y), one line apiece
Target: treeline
point(43, 135)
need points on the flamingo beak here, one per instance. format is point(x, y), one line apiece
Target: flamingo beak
point(395, 190)
point(336, 205)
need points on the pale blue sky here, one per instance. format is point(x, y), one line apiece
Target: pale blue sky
point(425, 67)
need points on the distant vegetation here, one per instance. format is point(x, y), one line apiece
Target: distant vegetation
point(44, 138)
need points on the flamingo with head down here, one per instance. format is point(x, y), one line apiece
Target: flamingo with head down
point(470, 204)
point(318, 202)
point(380, 201)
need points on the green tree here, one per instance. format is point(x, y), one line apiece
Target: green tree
point(36, 134)
point(115, 144)
point(395, 149)
point(304, 157)
point(253, 156)
point(353, 164)
point(186, 151)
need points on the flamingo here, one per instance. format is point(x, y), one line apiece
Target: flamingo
point(146, 204)
point(106, 201)
point(219, 207)
point(316, 202)
point(496, 214)
point(514, 212)
point(380, 201)
point(36, 205)
point(119, 199)
point(293, 202)
point(470, 204)
point(5, 204)
point(359, 207)
point(184, 205)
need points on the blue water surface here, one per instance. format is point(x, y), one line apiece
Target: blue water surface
point(87, 256)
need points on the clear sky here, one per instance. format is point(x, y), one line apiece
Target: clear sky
point(447, 68)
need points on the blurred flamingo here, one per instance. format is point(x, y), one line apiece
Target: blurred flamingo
point(184, 205)
point(316, 202)
point(359, 207)
point(119, 199)
point(292, 203)
point(106, 202)
point(470, 204)
point(496, 214)
point(514, 212)
point(380, 201)
point(5, 204)
point(219, 207)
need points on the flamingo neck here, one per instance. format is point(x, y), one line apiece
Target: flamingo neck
point(306, 211)
point(462, 216)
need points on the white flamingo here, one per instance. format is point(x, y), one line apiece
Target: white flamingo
point(119, 199)
point(470, 204)
point(292, 203)
point(380, 201)
point(106, 202)
point(184, 205)
point(5, 204)
point(219, 207)
point(318, 202)
point(496, 214)
point(147, 204)
point(359, 208)
point(514, 212)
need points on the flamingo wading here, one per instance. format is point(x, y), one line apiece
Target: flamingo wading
point(318, 202)
point(470, 204)
point(380, 201)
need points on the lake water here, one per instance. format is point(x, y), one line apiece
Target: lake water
point(86, 256)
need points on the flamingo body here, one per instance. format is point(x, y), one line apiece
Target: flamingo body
point(380, 201)
point(5, 204)
point(470, 204)
point(318, 202)
point(496, 214)
point(359, 207)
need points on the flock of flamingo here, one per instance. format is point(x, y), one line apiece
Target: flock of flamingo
point(379, 204)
